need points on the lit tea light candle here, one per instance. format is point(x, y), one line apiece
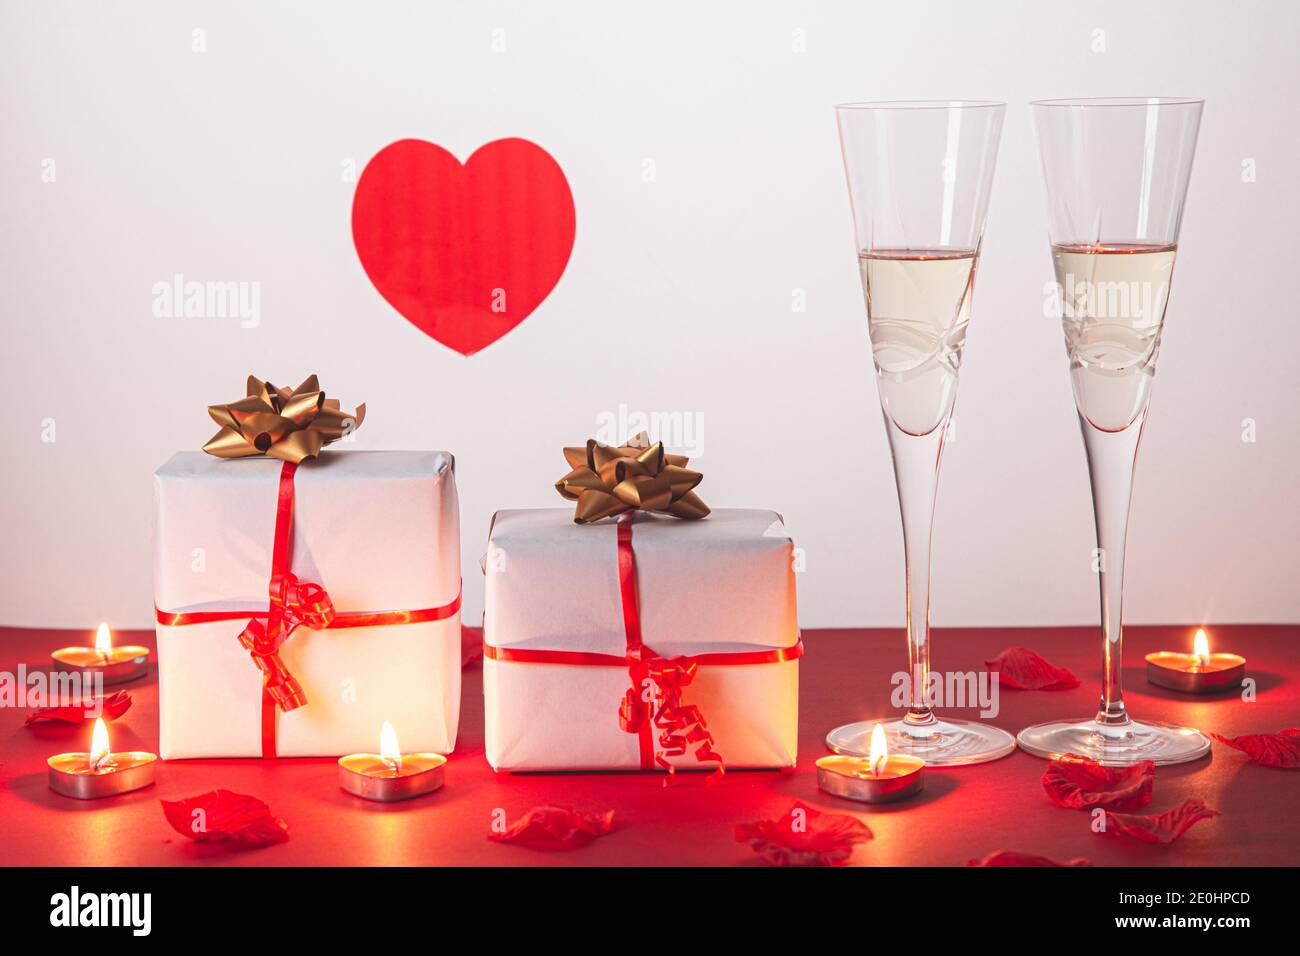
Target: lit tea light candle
point(117, 664)
point(880, 778)
point(1199, 672)
point(390, 774)
point(100, 773)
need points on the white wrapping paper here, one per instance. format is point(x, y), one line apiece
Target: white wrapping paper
point(380, 531)
point(721, 584)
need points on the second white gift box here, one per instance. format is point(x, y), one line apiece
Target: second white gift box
point(715, 596)
point(378, 531)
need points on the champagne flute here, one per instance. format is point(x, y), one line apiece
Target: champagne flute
point(919, 176)
point(1116, 171)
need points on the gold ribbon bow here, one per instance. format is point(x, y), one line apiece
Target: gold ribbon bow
point(291, 426)
point(608, 481)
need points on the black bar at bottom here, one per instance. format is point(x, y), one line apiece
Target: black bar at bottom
point(376, 909)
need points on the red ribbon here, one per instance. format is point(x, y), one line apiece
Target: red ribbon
point(293, 603)
point(654, 701)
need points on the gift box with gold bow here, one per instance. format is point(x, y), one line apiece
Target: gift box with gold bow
point(304, 596)
point(639, 630)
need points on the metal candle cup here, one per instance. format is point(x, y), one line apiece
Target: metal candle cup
point(117, 664)
point(121, 664)
point(1189, 673)
point(368, 776)
point(100, 773)
point(853, 778)
point(880, 778)
point(391, 775)
point(1197, 673)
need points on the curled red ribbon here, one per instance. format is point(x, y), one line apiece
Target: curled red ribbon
point(293, 603)
point(654, 701)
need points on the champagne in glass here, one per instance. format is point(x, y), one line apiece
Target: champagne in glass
point(919, 177)
point(1113, 299)
point(1116, 172)
point(918, 304)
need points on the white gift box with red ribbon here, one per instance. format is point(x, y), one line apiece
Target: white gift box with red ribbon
point(719, 591)
point(379, 531)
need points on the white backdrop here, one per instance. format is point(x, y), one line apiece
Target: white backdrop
point(135, 149)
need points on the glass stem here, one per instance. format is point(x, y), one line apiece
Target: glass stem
point(916, 473)
point(1111, 460)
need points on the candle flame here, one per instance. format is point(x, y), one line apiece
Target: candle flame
point(879, 753)
point(98, 745)
point(389, 751)
point(1201, 647)
point(103, 640)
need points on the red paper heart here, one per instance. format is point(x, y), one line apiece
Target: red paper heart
point(464, 252)
point(1081, 784)
point(471, 646)
point(1022, 669)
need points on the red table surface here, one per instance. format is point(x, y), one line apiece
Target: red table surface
point(964, 813)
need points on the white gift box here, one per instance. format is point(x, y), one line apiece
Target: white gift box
point(723, 584)
point(379, 530)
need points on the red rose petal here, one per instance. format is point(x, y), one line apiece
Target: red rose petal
point(221, 816)
point(1161, 828)
point(1012, 858)
point(556, 828)
point(81, 710)
point(1082, 784)
point(1022, 669)
point(1281, 750)
point(805, 837)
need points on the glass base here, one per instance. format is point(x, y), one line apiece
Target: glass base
point(947, 743)
point(1115, 746)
